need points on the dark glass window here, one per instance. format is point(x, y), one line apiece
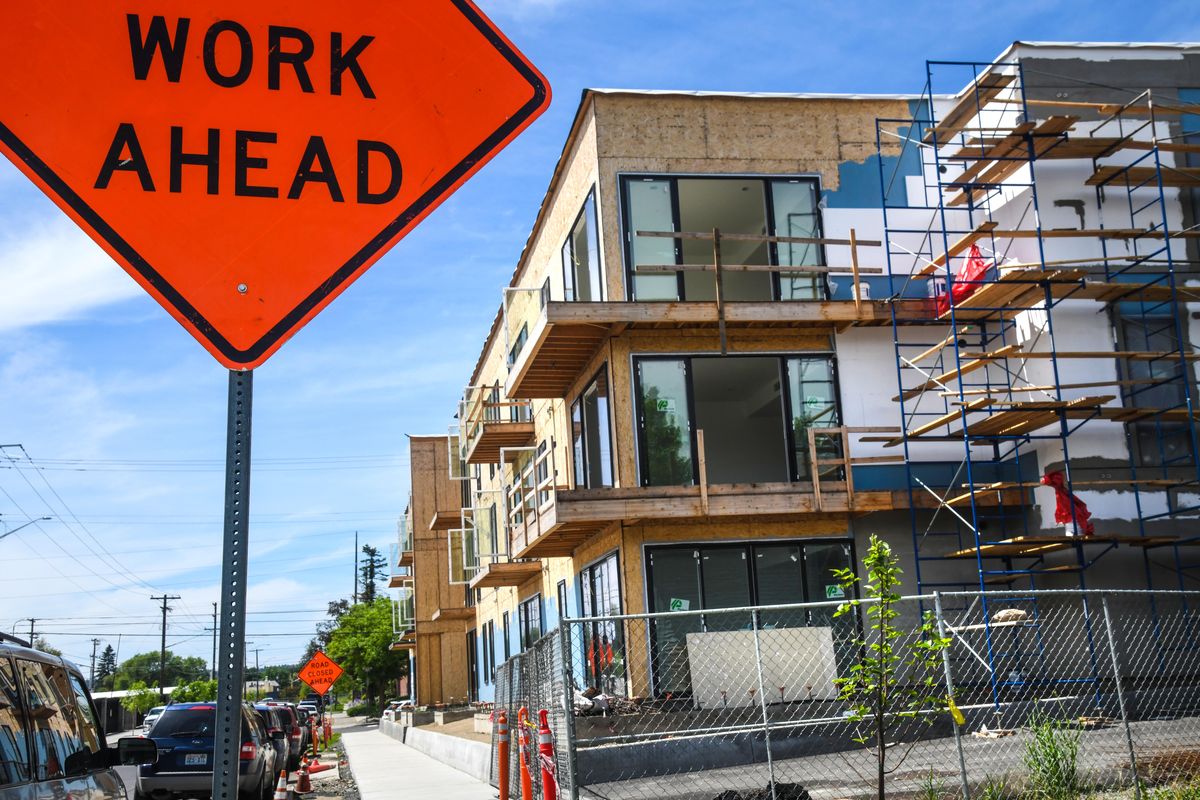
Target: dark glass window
point(591, 434)
point(61, 731)
point(14, 729)
point(735, 575)
point(507, 638)
point(529, 618)
point(784, 207)
point(604, 642)
point(743, 405)
point(583, 276)
point(1159, 385)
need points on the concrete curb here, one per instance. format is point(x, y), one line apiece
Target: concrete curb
point(473, 758)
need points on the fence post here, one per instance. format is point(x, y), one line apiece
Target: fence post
point(568, 700)
point(962, 759)
point(762, 696)
point(1112, 650)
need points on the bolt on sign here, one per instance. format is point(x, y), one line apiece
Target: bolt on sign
point(320, 673)
point(246, 162)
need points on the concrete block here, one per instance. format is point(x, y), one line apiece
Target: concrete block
point(483, 723)
point(442, 717)
point(473, 758)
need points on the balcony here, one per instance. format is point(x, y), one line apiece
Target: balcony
point(401, 560)
point(488, 424)
point(548, 520)
point(565, 336)
point(404, 617)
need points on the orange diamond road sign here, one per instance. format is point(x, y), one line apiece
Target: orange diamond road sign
point(245, 162)
point(320, 673)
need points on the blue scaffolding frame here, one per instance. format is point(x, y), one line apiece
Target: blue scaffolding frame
point(959, 364)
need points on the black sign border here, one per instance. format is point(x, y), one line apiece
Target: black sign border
point(290, 322)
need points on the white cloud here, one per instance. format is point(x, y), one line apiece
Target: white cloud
point(51, 271)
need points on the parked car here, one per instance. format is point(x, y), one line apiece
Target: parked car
point(295, 734)
point(44, 702)
point(151, 717)
point(184, 735)
point(273, 720)
point(305, 717)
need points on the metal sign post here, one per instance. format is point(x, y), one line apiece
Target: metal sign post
point(232, 637)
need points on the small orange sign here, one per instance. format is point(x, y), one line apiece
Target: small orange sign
point(320, 673)
point(246, 162)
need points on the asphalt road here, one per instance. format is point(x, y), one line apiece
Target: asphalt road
point(129, 776)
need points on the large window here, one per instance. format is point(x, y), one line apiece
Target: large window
point(604, 642)
point(591, 434)
point(583, 277)
point(14, 746)
point(64, 730)
point(755, 412)
point(529, 619)
point(783, 207)
point(713, 576)
point(1157, 384)
point(472, 666)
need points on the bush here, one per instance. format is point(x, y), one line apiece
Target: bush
point(1052, 758)
point(362, 710)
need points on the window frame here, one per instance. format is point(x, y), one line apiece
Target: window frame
point(577, 403)
point(569, 277)
point(524, 617)
point(26, 727)
point(625, 222)
point(639, 420)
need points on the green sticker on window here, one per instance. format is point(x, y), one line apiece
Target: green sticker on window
point(665, 405)
point(834, 592)
point(680, 605)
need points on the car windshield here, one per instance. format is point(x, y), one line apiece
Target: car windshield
point(182, 722)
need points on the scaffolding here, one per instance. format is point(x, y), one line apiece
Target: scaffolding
point(1012, 374)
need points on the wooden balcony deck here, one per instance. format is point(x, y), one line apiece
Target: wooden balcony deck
point(563, 339)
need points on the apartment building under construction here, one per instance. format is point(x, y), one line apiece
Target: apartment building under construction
point(747, 331)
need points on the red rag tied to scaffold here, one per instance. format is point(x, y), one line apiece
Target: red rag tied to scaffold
point(1068, 508)
point(966, 281)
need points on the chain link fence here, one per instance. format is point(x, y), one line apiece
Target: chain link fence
point(534, 680)
point(1041, 693)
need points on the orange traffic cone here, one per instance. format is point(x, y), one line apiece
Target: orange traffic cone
point(502, 747)
point(281, 790)
point(523, 741)
point(303, 784)
point(546, 758)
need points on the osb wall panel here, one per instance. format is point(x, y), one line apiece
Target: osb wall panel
point(432, 490)
point(727, 135)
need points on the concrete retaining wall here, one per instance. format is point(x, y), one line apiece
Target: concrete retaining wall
point(473, 758)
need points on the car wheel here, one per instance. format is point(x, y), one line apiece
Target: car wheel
point(137, 795)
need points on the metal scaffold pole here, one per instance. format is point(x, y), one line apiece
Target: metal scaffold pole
point(232, 645)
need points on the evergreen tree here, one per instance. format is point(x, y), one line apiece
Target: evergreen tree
point(106, 666)
point(372, 569)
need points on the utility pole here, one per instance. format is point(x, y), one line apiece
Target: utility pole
point(31, 621)
point(212, 672)
point(95, 644)
point(162, 653)
point(355, 598)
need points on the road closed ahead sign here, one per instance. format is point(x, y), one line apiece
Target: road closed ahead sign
point(245, 162)
point(320, 673)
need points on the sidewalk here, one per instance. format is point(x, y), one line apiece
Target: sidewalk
point(383, 767)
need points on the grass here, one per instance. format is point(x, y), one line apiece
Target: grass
point(1052, 759)
point(932, 787)
point(1188, 790)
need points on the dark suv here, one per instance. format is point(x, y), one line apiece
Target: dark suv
point(51, 744)
point(295, 734)
point(186, 744)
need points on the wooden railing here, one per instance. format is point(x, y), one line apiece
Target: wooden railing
point(841, 435)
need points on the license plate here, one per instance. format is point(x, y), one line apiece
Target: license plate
point(193, 759)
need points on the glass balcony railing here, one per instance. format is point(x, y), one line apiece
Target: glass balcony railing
point(488, 421)
point(404, 611)
point(522, 308)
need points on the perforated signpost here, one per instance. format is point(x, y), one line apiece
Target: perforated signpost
point(245, 163)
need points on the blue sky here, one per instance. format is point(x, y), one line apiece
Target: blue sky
point(122, 413)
